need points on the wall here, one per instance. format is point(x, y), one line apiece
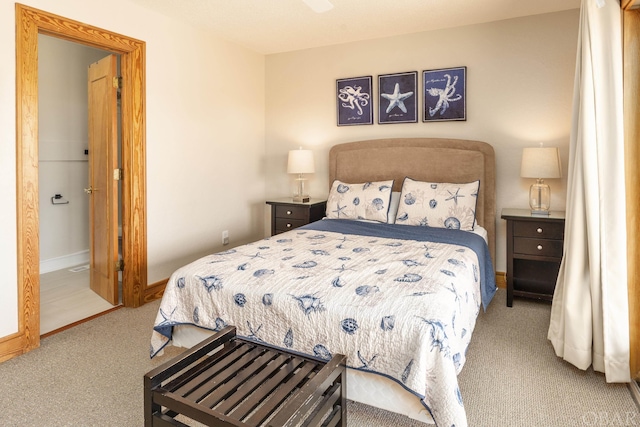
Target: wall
point(205, 138)
point(519, 93)
point(63, 166)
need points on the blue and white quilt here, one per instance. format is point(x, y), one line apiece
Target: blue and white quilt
point(400, 301)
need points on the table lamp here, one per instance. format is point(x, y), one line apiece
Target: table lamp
point(540, 163)
point(300, 162)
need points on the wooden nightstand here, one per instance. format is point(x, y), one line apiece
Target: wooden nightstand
point(287, 214)
point(534, 253)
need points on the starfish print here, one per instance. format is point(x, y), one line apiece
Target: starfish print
point(396, 99)
point(339, 210)
point(167, 317)
point(454, 196)
point(342, 269)
point(257, 255)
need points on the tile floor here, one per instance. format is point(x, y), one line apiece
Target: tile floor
point(65, 298)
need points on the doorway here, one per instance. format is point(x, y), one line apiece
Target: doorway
point(65, 156)
point(29, 23)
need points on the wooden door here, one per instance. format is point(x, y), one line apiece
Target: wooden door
point(103, 189)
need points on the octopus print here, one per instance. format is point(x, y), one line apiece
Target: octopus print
point(353, 98)
point(445, 96)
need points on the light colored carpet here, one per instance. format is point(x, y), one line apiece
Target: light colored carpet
point(91, 375)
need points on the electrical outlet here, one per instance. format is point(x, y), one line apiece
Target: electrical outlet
point(225, 237)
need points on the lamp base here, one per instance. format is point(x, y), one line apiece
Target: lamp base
point(539, 213)
point(539, 198)
point(300, 196)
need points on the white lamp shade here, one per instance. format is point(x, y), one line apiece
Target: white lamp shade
point(541, 162)
point(300, 161)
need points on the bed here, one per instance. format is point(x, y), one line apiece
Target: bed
point(399, 299)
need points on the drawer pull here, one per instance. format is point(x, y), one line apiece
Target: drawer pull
point(289, 212)
point(289, 226)
point(539, 247)
point(539, 230)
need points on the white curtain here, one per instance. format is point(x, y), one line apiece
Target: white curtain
point(589, 316)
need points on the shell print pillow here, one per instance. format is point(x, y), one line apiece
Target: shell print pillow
point(368, 200)
point(438, 204)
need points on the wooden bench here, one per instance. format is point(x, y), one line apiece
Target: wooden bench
point(230, 381)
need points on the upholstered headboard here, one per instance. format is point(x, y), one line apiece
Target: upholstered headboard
point(423, 159)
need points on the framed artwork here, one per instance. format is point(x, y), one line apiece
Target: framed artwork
point(398, 102)
point(354, 101)
point(445, 94)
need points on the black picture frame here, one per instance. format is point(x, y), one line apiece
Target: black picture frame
point(398, 98)
point(354, 101)
point(445, 94)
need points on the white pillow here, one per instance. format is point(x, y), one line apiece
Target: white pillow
point(368, 200)
point(438, 204)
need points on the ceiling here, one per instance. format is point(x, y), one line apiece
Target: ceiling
point(274, 26)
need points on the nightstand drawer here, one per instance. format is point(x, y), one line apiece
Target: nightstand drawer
point(286, 224)
point(539, 229)
point(287, 214)
point(538, 247)
point(292, 212)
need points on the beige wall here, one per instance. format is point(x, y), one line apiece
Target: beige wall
point(205, 138)
point(208, 167)
point(519, 93)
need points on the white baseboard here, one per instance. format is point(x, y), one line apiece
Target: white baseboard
point(67, 261)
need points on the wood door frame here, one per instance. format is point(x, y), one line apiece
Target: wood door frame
point(631, 33)
point(29, 23)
